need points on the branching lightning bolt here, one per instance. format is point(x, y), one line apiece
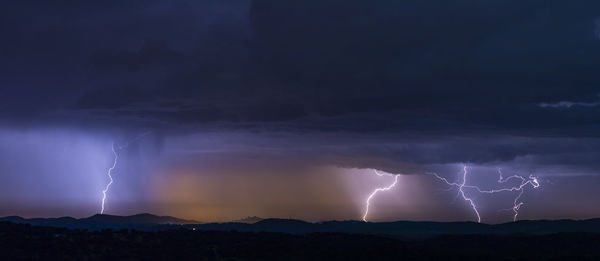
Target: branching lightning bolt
point(461, 191)
point(364, 218)
point(533, 181)
point(110, 177)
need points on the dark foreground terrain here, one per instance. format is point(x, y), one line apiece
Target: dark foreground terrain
point(26, 242)
point(401, 229)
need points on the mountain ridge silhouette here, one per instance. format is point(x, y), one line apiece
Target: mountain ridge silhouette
point(142, 221)
point(406, 229)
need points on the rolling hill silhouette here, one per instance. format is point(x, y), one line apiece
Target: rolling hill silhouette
point(405, 229)
point(142, 221)
point(408, 229)
point(248, 220)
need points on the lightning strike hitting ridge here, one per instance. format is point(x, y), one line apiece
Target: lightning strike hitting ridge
point(364, 218)
point(461, 191)
point(533, 181)
point(110, 177)
point(110, 170)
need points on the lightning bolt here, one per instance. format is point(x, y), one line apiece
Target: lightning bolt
point(517, 204)
point(110, 177)
point(461, 191)
point(368, 202)
point(110, 170)
point(533, 181)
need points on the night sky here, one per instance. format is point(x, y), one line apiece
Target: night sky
point(224, 109)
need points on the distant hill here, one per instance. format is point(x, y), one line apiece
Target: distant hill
point(408, 229)
point(143, 218)
point(248, 220)
point(404, 229)
point(140, 221)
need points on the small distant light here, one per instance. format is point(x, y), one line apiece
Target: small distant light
point(193, 228)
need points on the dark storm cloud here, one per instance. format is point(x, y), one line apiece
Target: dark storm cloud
point(421, 68)
point(391, 153)
point(427, 65)
point(235, 94)
point(569, 104)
